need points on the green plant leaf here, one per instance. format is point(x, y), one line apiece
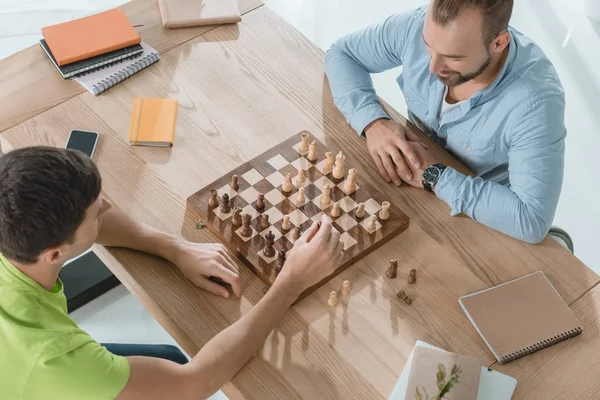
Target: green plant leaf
point(441, 374)
point(418, 395)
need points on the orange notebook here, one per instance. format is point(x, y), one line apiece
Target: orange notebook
point(91, 36)
point(153, 122)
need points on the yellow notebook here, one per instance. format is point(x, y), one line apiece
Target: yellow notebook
point(153, 122)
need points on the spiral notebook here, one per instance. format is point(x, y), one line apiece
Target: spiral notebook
point(101, 80)
point(520, 317)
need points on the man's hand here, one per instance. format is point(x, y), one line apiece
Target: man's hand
point(314, 256)
point(427, 158)
point(200, 261)
point(388, 142)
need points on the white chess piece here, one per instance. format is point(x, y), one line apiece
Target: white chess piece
point(372, 224)
point(287, 184)
point(335, 210)
point(360, 211)
point(326, 195)
point(301, 176)
point(338, 170)
point(300, 199)
point(286, 222)
point(304, 145)
point(312, 151)
point(333, 299)
point(350, 185)
point(385, 210)
point(328, 165)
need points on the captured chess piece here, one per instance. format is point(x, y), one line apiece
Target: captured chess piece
point(264, 221)
point(360, 211)
point(312, 151)
point(338, 170)
point(333, 299)
point(260, 202)
point(350, 184)
point(235, 185)
point(384, 214)
point(304, 144)
point(280, 262)
point(287, 183)
point(402, 294)
point(326, 195)
point(412, 276)
point(346, 288)
point(408, 300)
point(214, 198)
point(392, 271)
point(246, 228)
point(328, 165)
point(269, 250)
point(335, 210)
point(300, 199)
point(372, 224)
point(225, 206)
point(236, 219)
point(301, 176)
point(297, 232)
point(285, 224)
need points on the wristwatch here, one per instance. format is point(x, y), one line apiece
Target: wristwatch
point(432, 175)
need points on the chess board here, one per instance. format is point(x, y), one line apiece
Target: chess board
point(266, 174)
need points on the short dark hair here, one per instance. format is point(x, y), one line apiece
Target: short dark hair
point(44, 195)
point(496, 14)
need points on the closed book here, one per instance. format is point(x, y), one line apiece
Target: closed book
point(520, 317)
point(186, 13)
point(90, 36)
point(153, 122)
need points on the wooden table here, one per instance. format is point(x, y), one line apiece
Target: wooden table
point(243, 89)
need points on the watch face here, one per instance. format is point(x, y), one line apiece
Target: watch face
point(431, 175)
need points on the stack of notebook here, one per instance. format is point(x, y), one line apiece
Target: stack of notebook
point(98, 51)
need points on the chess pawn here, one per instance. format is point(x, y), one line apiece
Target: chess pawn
point(335, 210)
point(225, 206)
point(287, 183)
point(312, 151)
point(412, 276)
point(301, 176)
point(214, 199)
point(372, 224)
point(328, 161)
point(384, 214)
point(235, 182)
point(326, 195)
point(350, 185)
point(402, 294)
point(300, 198)
point(246, 228)
point(360, 211)
point(264, 221)
point(285, 225)
point(338, 170)
point(280, 262)
point(392, 270)
point(333, 299)
point(236, 219)
point(408, 300)
point(269, 250)
point(304, 144)
point(260, 202)
point(345, 288)
point(297, 232)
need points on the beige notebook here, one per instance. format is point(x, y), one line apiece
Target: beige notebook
point(185, 13)
point(520, 317)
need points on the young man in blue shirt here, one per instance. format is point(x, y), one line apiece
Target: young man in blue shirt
point(479, 88)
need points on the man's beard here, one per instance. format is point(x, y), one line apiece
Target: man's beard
point(456, 78)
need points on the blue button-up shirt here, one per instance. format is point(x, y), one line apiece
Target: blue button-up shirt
point(510, 134)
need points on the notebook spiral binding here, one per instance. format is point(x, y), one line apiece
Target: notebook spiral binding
point(123, 74)
point(91, 70)
point(542, 345)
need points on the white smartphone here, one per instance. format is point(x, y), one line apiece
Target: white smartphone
point(84, 141)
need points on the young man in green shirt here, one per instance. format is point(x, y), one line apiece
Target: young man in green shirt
point(51, 210)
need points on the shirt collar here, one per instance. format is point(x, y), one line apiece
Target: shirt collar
point(20, 276)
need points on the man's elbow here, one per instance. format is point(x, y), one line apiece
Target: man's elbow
point(534, 229)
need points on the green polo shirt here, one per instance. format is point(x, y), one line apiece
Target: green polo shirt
point(43, 354)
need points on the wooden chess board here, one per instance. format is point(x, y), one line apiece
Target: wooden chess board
point(266, 174)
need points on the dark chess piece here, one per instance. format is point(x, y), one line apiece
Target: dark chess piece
point(392, 270)
point(236, 219)
point(264, 222)
point(246, 228)
point(412, 277)
point(269, 250)
point(402, 294)
point(225, 206)
point(408, 300)
point(280, 262)
point(297, 232)
point(214, 199)
point(234, 182)
point(260, 203)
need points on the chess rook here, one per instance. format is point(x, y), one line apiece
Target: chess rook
point(335, 210)
point(360, 211)
point(345, 288)
point(326, 195)
point(304, 144)
point(285, 224)
point(225, 206)
point(384, 214)
point(350, 184)
point(214, 199)
point(312, 151)
point(333, 299)
point(392, 270)
point(301, 197)
point(235, 182)
point(260, 202)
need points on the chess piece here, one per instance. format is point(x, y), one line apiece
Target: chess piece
point(350, 185)
point(312, 151)
point(408, 300)
point(333, 299)
point(384, 214)
point(345, 288)
point(236, 219)
point(235, 182)
point(214, 199)
point(269, 250)
point(412, 276)
point(297, 232)
point(280, 262)
point(300, 198)
point(338, 170)
point(304, 144)
point(372, 224)
point(326, 195)
point(360, 211)
point(225, 206)
point(246, 228)
point(260, 202)
point(328, 161)
point(392, 271)
point(335, 210)
point(285, 224)
point(287, 183)
point(301, 176)
point(264, 221)
point(402, 294)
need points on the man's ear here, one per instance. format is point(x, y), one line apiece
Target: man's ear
point(501, 42)
point(52, 255)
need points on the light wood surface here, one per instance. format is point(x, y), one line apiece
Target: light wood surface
point(242, 90)
point(30, 84)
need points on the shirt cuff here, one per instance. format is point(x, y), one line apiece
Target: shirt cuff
point(448, 187)
point(366, 115)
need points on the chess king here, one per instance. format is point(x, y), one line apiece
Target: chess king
point(52, 210)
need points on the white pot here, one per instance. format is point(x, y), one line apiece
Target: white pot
point(592, 9)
